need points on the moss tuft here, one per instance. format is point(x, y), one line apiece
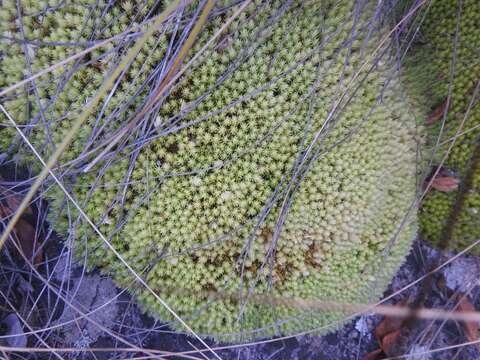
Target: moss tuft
point(253, 104)
point(447, 56)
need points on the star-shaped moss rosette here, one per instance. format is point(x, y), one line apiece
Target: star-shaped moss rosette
point(295, 107)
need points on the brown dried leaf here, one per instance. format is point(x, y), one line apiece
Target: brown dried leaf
point(472, 328)
point(374, 355)
point(25, 236)
point(387, 326)
point(389, 340)
point(389, 330)
point(436, 114)
point(24, 233)
point(445, 183)
point(10, 201)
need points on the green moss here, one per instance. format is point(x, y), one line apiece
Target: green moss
point(196, 195)
point(446, 53)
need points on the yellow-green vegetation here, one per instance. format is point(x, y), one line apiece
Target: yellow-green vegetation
point(448, 59)
point(48, 32)
point(291, 91)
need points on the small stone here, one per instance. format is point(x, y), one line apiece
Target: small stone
point(363, 325)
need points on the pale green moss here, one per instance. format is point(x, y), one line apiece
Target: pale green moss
point(344, 236)
point(429, 72)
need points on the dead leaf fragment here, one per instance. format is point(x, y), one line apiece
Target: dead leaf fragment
point(389, 340)
point(445, 183)
point(26, 238)
point(472, 328)
point(10, 201)
point(386, 333)
point(24, 233)
point(387, 326)
point(436, 114)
